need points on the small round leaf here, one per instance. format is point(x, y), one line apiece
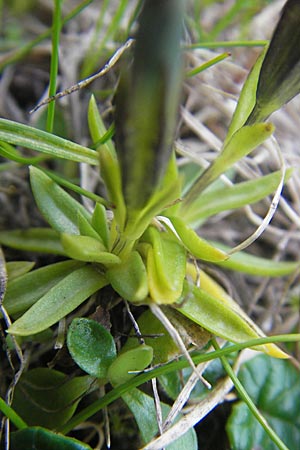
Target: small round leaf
point(91, 346)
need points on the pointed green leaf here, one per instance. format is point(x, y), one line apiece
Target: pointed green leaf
point(195, 245)
point(221, 315)
point(16, 269)
point(59, 301)
point(256, 265)
point(42, 240)
point(91, 346)
point(58, 208)
point(85, 248)
point(25, 290)
point(99, 222)
point(41, 141)
point(236, 196)
point(241, 144)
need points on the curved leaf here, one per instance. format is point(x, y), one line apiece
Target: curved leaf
point(59, 301)
point(197, 246)
point(215, 311)
point(91, 346)
point(58, 208)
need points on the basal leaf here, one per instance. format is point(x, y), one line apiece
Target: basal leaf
point(86, 248)
point(16, 269)
point(59, 301)
point(129, 278)
point(195, 245)
point(217, 312)
point(42, 240)
point(256, 265)
point(25, 290)
point(58, 208)
point(274, 386)
point(91, 346)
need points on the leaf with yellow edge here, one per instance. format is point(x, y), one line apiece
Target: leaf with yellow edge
point(166, 265)
point(197, 246)
point(212, 308)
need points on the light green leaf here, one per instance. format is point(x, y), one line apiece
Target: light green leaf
point(99, 222)
point(166, 266)
point(42, 240)
point(91, 346)
point(16, 269)
point(41, 141)
point(195, 245)
point(256, 265)
point(221, 315)
point(274, 386)
point(85, 248)
point(134, 360)
point(241, 144)
point(246, 99)
point(59, 301)
point(236, 196)
point(25, 290)
point(129, 278)
point(59, 208)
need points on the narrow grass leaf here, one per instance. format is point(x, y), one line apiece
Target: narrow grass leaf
point(41, 141)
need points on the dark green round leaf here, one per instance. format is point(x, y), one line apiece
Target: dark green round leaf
point(91, 346)
point(274, 386)
point(41, 439)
